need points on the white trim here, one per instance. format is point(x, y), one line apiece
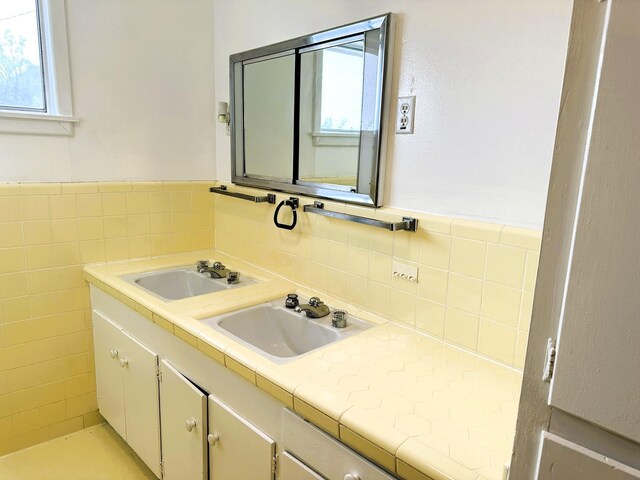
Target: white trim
point(59, 119)
point(37, 116)
point(39, 124)
point(56, 55)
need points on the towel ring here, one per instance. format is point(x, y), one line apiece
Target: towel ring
point(292, 202)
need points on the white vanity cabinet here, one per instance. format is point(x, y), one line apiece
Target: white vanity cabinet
point(204, 438)
point(237, 449)
point(127, 388)
point(183, 416)
point(213, 423)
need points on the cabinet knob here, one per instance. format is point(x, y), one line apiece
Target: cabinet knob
point(113, 353)
point(212, 438)
point(124, 362)
point(352, 476)
point(190, 425)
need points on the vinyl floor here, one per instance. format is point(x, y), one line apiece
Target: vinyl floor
point(97, 453)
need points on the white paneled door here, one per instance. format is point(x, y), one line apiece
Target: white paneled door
point(127, 385)
point(139, 372)
point(237, 449)
point(109, 386)
point(183, 413)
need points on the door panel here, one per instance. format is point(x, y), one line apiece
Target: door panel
point(109, 386)
point(139, 370)
point(563, 460)
point(240, 451)
point(595, 374)
point(184, 445)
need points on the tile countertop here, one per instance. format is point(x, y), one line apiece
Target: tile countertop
point(414, 405)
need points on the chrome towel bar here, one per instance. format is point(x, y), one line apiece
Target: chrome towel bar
point(222, 190)
point(408, 223)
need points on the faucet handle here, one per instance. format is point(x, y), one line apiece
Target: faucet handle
point(291, 301)
point(315, 302)
point(202, 263)
point(233, 278)
point(339, 319)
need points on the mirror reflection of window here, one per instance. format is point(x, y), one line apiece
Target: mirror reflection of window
point(341, 88)
point(330, 115)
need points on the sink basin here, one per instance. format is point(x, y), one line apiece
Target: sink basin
point(279, 333)
point(183, 282)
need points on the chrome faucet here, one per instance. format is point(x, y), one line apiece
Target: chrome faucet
point(216, 270)
point(314, 309)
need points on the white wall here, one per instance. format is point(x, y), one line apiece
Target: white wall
point(487, 75)
point(142, 80)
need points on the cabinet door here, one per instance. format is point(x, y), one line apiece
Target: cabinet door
point(237, 449)
point(294, 469)
point(183, 417)
point(109, 386)
point(599, 332)
point(139, 367)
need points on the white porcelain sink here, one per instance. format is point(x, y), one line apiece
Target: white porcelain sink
point(279, 333)
point(182, 282)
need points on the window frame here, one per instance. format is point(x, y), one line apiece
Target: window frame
point(58, 119)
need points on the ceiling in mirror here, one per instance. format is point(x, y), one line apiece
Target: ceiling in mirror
point(307, 114)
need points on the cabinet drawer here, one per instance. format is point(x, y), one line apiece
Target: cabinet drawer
point(325, 454)
point(293, 469)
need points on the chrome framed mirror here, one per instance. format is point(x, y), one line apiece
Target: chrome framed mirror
point(308, 115)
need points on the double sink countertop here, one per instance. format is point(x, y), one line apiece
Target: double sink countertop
point(414, 405)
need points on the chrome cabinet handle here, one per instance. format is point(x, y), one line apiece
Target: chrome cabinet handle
point(190, 425)
point(124, 362)
point(352, 476)
point(212, 439)
point(113, 353)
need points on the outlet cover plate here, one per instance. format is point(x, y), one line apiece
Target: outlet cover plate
point(405, 115)
point(405, 271)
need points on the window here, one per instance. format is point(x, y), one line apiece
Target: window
point(21, 74)
point(35, 94)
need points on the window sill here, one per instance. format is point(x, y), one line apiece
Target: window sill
point(335, 139)
point(37, 124)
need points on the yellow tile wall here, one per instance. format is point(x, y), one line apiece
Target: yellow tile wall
point(47, 232)
point(476, 279)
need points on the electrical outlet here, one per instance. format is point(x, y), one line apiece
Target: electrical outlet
point(404, 271)
point(406, 114)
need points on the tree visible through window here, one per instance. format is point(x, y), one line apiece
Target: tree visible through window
point(21, 70)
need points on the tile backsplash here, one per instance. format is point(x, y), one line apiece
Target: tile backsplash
point(47, 232)
point(475, 279)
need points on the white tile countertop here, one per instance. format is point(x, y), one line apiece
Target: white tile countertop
point(416, 406)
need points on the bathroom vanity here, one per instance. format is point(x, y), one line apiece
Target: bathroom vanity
point(382, 403)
